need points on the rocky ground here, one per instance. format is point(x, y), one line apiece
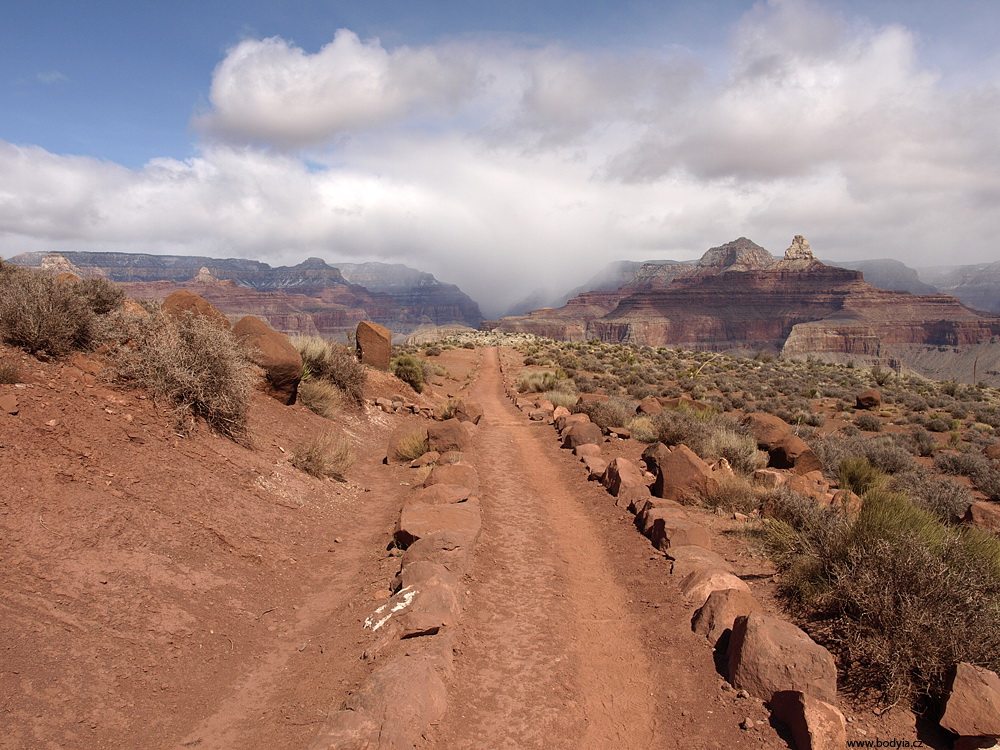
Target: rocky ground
point(166, 589)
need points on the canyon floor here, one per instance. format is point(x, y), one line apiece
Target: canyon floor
point(165, 589)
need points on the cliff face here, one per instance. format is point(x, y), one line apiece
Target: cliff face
point(311, 297)
point(749, 301)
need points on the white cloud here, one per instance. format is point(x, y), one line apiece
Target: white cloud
point(505, 168)
point(271, 91)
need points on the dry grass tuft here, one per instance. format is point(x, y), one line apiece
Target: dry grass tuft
point(321, 397)
point(326, 455)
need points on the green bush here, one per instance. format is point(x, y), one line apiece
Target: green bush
point(192, 364)
point(898, 595)
point(858, 475)
point(408, 368)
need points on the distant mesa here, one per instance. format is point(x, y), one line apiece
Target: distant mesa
point(312, 297)
point(739, 298)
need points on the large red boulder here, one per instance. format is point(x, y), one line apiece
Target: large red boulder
point(274, 354)
point(622, 475)
point(182, 302)
point(449, 435)
point(682, 476)
point(792, 452)
point(418, 521)
point(582, 432)
point(460, 474)
point(972, 708)
point(768, 429)
point(870, 399)
point(767, 655)
point(374, 343)
point(716, 616)
point(814, 724)
point(984, 514)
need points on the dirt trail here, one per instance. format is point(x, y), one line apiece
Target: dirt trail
point(547, 653)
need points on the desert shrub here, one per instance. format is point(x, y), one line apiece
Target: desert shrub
point(333, 362)
point(468, 345)
point(943, 497)
point(868, 422)
point(410, 446)
point(326, 455)
point(408, 368)
point(976, 466)
point(192, 364)
point(44, 315)
point(615, 412)
point(101, 295)
point(10, 372)
point(321, 397)
point(432, 351)
point(858, 475)
point(937, 424)
point(881, 452)
point(537, 382)
point(642, 429)
point(739, 449)
point(923, 443)
point(898, 595)
point(565, 399)
point(733, 493)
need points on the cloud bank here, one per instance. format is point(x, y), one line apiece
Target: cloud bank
point(506, 167)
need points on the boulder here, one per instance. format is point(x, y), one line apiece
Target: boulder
point(274, 354)
point(697, 585)
point(582, 432)
point(418, 521)
point(766, 428)
point(374, 343)
point(182, 303)
point(984, 514)
point(461, 474)
point(682, 476)
point(870, 399)
point(449, 435)
point(972, 708)
point(428, 459)
point(450, 457)
point(622, 475)
point(814, 724)
point(403, 436)
point(430, 598)
point(438, 494)
point(654, 456)
point(992, 452)
point(588, 449)
point(649, 406)
point(769, 478)
point(666, 529)
point(716, 616)
point(561, 423)
point(846, 501)
point(404, 697)
point(448, 548)
point(468, 411)
point(596, 466)
point(792, 452)
point(540, 415)
point(689, 558)
point(767, 655)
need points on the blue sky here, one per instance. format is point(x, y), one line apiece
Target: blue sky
point(493, 142)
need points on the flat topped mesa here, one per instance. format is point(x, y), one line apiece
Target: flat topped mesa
point(799, 249)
